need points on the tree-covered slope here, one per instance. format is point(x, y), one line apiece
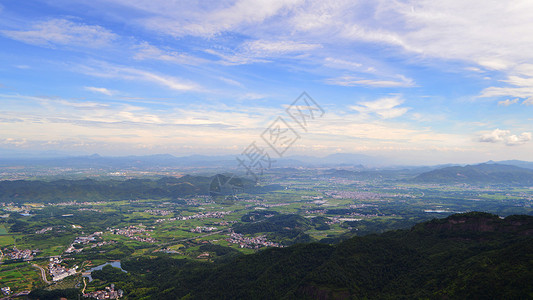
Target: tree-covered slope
point(464, 256)
point(94, 190)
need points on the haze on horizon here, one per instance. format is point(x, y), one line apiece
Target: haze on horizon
point(422, 82)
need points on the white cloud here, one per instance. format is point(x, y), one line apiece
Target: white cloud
point(113, 71)
point(342, 64)
point(147, 51)
point(518, 140)
point(83, 105)
point(63, 32)
point(267, 48)
point(231, 59)
point(354, 81)
point(508, 102)
point(230, 81)
point(99, 90)
point(519, 83)
point(505, 136)
point(386, 108)
point(497, 135)
point(252, 96)
point(180, 19)
point(260, 51)
point(528, 101)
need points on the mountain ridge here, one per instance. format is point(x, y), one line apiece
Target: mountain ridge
point(485, 173)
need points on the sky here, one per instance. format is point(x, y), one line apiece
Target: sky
point(417, 82)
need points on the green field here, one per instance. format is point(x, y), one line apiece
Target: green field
point(20, 276)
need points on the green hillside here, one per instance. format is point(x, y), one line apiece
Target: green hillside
point(464, 256)
point(94, 190)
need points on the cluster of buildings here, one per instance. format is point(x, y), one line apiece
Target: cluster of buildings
point(133, 232)
point(200, 229)
point(70, 203)
point(83, 240)
point(200, 200)
point(210, 214)
point(316, 211)
point(89, 209)
point(251, 242)
point(58, 271)
point(274, 204)
point(158, 212)
point(358, 195)
point(20, 254)
point(225, 223)
point(6, 290)
point(43, 230)
point(166, 220)
point(108, 293)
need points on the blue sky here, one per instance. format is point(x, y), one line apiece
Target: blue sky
point(421, 82)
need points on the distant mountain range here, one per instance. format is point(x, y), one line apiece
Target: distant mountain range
point(351, 161)
point(487, 173)
point(167, 160)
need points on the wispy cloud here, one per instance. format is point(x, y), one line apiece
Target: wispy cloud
point(528, 101)
point(508, 102)
point(99, 90)
point(519, 84)
point(355, 81)
point(86, 105)
point(63, 32)
point(386, 108)
point(342, 64)
point(179, 19)
point(147, 51)
point(235, 58)
point(265, 48)
point(114, 71)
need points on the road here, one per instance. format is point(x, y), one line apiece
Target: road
point(84, 286)
point(43, 273)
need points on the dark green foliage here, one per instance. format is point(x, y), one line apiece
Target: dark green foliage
point(465, 256)
point(109, 274)
point(320, 223)
point(92, 190)
point(286, 229)
point(70, 294)
point(276, 223)
point(257, 215)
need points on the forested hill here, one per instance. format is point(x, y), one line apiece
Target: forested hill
point(95, 190)
point(464, 256)
point(480, 174)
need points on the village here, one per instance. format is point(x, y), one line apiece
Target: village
point(108, 293)
point(251, 242)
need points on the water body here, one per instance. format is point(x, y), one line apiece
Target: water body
point(115, 264)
